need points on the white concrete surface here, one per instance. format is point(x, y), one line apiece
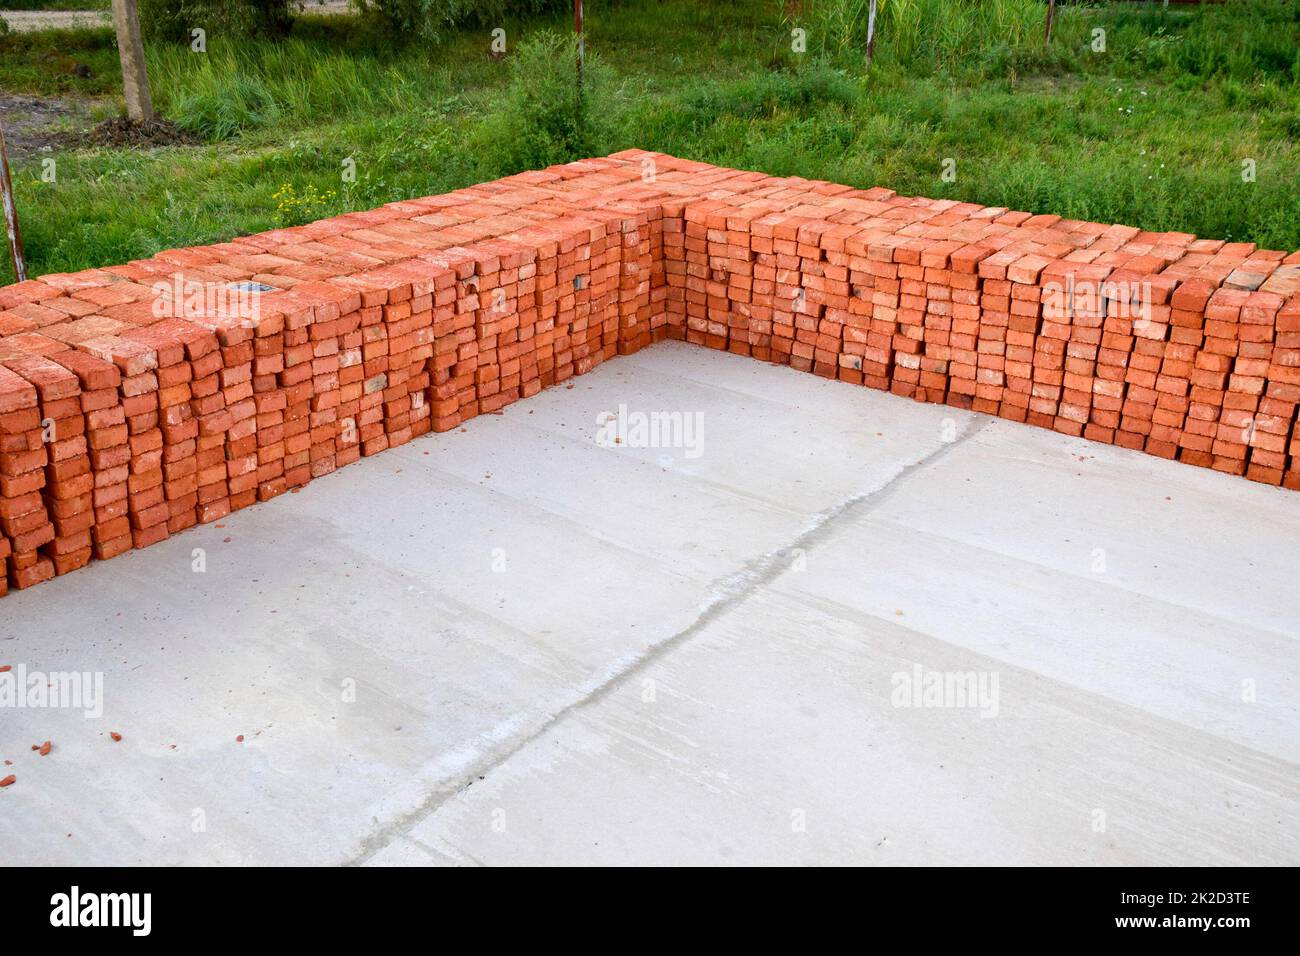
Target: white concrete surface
point(511, 645)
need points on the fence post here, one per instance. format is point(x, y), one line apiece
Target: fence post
point(11, 215)
point(1051, 16)
point(871, 32)
point(130, 50)
point(582, 44)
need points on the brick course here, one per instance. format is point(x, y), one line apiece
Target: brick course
point(132, 408)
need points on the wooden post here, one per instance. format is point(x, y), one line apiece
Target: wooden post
point(130, 49)
point(11, 215)
point(1051, 16)
point(871, 32)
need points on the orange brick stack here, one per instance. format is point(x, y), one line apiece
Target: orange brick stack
point(23, 516)
point(135, 401)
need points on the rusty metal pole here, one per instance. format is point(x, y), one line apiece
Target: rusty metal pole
point(1051, 16)
point(582, 44)
point(11, 215)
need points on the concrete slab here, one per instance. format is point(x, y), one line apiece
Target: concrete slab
point(514, 644)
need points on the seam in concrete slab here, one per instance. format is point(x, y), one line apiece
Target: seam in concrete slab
point(731, 592)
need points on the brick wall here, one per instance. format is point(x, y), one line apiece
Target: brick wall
point(139, 400)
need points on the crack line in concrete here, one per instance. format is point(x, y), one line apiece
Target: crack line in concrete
point(732, 591)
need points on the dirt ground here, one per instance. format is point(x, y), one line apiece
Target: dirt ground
point(35, 124)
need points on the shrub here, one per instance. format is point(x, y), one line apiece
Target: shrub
point(541, 120)
point(425, 19)
point(172, 20)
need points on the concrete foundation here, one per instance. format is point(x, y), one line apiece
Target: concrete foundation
point(513, 644)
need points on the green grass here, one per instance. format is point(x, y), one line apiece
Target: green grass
point(1151, 132)
point(42, 63)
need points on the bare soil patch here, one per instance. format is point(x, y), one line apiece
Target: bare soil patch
point(36, 124)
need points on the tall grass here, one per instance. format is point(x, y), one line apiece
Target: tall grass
point(1237, 38)
point(240, 86)
point(926, 34)
point(1242, 39)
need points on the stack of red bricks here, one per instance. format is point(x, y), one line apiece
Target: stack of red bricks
point(139, 400)
point(1183, 348)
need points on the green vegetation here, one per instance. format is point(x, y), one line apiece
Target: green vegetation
point(1152, 132)
point(43, 63)
point(428, 19)
point(172, 20)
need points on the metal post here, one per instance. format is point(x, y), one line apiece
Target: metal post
point(130, 50)
point(11, 215)
point(871, 32)
point(582, 44)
